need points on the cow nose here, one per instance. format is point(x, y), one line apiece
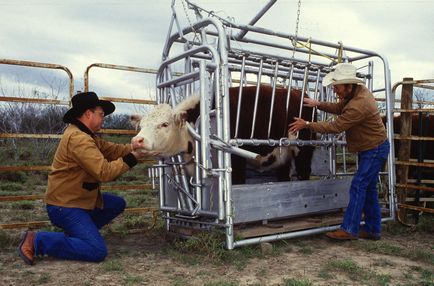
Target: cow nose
point(142, 143)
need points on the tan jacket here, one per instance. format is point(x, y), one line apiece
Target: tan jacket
point(359, 118)
point(81, 162)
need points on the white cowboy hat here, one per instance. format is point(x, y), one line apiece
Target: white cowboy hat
point(344, 73)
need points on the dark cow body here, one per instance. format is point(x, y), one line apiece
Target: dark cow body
point(279, 128)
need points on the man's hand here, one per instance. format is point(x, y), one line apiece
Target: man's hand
point(309, 102)
point(297, 125)
point(142, 154)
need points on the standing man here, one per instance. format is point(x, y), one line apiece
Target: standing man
point(359, 117)
point(74, 200)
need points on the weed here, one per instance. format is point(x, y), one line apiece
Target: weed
point(44, 278)
point(426, 223)
point(132, 280)
point(206, 243)
point(389, 249)
point(221, 283)
point(296, 282)
point(347, 266)
point(112, 265)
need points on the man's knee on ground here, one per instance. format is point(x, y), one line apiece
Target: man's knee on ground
point(99, 254)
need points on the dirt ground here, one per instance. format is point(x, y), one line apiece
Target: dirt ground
point(401, 257)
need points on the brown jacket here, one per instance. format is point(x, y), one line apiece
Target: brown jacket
point(359, 118)
point(81, 162)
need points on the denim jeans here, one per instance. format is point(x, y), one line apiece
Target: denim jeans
point(363, 192)
point(81, 239)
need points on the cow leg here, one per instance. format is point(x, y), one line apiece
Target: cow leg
point(284, 172)
point(238, 170)
point(303, 161)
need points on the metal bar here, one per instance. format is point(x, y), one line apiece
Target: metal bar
point(184, 78)
point(43, 65)
point(38, 224)
point(204, 143)
point(288, 235)
point(240, 95)
point(273, 94)
point(21, 198)
point(24, 168)
point(129, 100)
point(255, 19)
point(28, 135)
point(114, 67)
point(285, 142)
point(258, 86)
point(288, 98)
point(34, 100)
point(427, 110)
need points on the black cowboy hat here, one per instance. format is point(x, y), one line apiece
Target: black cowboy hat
point(86, 100)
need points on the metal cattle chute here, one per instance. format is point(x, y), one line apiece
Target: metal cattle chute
point(208, 57)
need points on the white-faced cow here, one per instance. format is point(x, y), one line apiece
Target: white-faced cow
point(163, 129)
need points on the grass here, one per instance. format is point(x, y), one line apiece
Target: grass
point(296, 282)
point(353, 271)
point(112, 265)
point(381, 247)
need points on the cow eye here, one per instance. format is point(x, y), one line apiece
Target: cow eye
point(165, 124)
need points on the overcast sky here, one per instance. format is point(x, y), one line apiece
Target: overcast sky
point(77, 33)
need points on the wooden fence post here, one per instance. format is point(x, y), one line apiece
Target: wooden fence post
point(405, 145)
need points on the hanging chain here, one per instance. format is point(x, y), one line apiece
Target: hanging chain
point(188, 19)
point(294, 40)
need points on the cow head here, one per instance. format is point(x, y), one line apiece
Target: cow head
point(163, 129)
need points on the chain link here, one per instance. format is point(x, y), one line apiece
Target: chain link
point(294, 41)
point(188, 19)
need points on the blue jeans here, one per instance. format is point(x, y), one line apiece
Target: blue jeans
point(363, 192)
point(81, 239)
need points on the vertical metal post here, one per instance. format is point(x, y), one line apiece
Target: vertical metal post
point(273, 94)
point(204, 120)
point(258, 86)
point(288, 97)
point(303, 91)
point(240, 94)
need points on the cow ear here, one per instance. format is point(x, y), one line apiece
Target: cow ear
point(180, 118)
point(135, 121)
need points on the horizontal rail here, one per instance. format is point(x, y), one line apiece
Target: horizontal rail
point(30, 135)
point(39, 197)
point(24, 168)
point(417, 164)
point(21, 198)
point(412, 137)
point(129, 100)
point(34, 100)
point(38, 224)
point(415, 187)
point(43, 65)
point(415, 208)
point(420, 110)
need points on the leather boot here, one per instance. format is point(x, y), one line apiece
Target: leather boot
point(366, 235)
point(26, 249)
point(340, 234)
